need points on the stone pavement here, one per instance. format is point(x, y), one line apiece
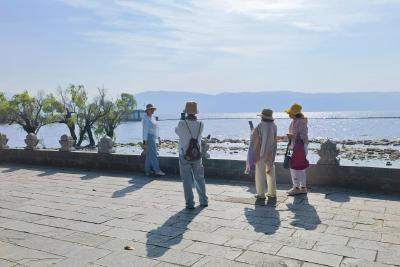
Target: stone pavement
point(74, 218)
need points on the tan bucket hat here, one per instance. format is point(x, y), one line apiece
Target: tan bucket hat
point(266, 114)
point(191, 108)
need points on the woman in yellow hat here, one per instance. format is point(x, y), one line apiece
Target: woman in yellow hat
point(298, 129)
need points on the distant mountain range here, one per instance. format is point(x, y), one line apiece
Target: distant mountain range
point(173, 102)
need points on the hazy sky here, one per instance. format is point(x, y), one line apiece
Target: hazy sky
point(206, 46)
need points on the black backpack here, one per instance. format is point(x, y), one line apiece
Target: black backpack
point(193, 152)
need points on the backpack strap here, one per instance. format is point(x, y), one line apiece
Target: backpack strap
point(191, 135)
point(190, 132)
point(198, 134)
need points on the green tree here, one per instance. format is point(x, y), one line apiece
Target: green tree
point(3, 108)
point(73, 99)
point(79, 111)
point(32, 113)
point(89, 114)
point(116, 112)
point(3, 101)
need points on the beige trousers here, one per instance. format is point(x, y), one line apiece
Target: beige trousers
point(262, 177)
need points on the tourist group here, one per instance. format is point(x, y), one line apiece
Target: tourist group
point(261, 153)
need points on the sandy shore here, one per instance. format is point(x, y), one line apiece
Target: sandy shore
point(359, 150)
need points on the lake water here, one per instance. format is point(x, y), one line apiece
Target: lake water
point(334, 125)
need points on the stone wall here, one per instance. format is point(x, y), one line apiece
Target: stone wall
point(359, 178)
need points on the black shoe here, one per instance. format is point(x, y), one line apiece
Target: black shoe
point(190, 207)
point(204, 205)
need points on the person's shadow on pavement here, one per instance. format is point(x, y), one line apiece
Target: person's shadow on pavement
point(338, 197)
point(305, 215)
point(160, 240)
point(135, 184)
point(264, 217)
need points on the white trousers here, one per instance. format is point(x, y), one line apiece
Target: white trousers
point(262, 177)
point(298, 178)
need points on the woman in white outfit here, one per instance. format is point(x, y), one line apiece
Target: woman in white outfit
point(150, 137)
point(265, 141)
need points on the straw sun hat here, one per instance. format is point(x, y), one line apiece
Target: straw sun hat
point(266, 114)
point(294, 110)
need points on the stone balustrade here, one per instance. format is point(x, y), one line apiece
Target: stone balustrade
point(349, 177)
point(328, 154)
point(106, 145)
point(326, 173)
point(67, 143)
point(3, 141)
point(31, 141)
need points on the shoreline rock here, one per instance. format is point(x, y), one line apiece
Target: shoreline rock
point(381, 149)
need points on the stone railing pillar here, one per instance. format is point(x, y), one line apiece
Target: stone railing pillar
point(67, 143)
point(3, 141)
point(31, 141)
point(106, 145)
point(143, 147)
point(328, 154)
point(204, 149)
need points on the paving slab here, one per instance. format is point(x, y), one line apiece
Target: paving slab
point(214, 250)
point(68, 217)
point(26, 256)
point(352, 262)
point(214, 261)
point(125, 259)
point(267, 260)
point(310, 256)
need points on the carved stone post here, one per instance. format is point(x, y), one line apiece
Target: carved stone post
point(143, 147)
point(328, 154)
point(67, 143)
point(3, 141)
point(204, 149)
point(106, 145)
point(31, 141)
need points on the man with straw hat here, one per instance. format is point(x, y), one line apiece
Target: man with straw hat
point(264, 136)
point(191, 169)
point(150, 136)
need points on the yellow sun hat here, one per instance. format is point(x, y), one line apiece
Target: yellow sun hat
point(294, 109)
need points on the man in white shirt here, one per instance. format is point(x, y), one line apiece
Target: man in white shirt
point(191, 170)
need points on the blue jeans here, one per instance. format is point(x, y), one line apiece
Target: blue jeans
point(151, 163)
point(193, 172)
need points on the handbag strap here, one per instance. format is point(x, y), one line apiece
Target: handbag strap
point(287, 148)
